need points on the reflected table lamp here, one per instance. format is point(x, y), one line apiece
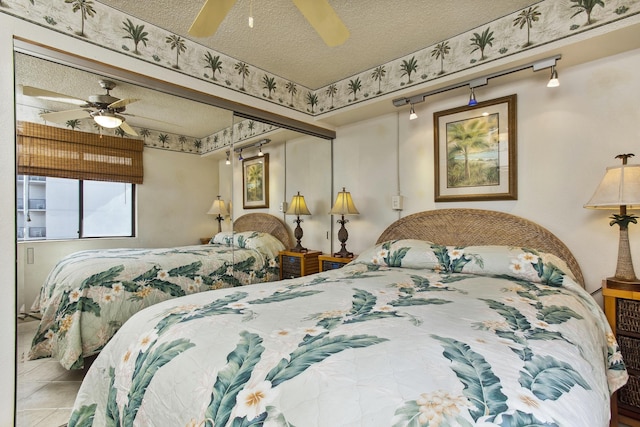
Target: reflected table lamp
point(343, 206)
point(620, 189)
point(220, 210)
point(298, 207)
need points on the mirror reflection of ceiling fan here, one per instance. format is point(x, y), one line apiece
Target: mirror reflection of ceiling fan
point(106, 110)
point(318, 13)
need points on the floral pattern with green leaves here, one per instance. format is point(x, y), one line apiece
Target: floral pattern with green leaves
point(406, 347)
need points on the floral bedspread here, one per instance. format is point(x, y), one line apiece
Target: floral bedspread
point(409, 334)
point(90, 294)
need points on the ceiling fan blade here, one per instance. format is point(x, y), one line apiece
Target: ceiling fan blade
point(210, 17)
point(64, 116)
point(51, 96)
point(128, 129)
point(324, 20)
point(123, 102)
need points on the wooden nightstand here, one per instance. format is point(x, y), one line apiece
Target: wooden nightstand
point(297, 264)
point(622, 308)
point(330, 262)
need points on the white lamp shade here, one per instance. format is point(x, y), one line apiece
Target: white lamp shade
point(619, 187)
point(344, 204)
point(108, 120)
point(218, 208)
point(298, 206)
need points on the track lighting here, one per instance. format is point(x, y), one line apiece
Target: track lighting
point(553, 81)
point(228, 162)
point(481, 81)
point(260, 151)
point(472, 98)
point(240, 156)
point(412, 113)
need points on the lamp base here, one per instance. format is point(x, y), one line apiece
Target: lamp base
point(299, 248)
point(343, 254)
point(630, 285)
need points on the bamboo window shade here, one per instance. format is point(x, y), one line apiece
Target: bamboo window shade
point(63, 153)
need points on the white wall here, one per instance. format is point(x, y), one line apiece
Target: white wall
point(171, 205)
point(567, 136)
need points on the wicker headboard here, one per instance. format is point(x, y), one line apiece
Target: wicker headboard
point(467, 227)
point(265, 223)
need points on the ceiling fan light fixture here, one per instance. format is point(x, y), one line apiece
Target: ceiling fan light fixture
point(108, 120)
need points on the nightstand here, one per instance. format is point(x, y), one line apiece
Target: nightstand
point(622, 308)
point(297, 264)
point(205, 240)
point(330, 262)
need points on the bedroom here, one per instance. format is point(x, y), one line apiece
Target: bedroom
point(567, 155)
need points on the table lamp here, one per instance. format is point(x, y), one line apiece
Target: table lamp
point(620, 189)
point(218, 208)
point(343, 206)
point(298, 207)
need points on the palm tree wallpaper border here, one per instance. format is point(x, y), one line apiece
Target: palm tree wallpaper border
point(475, 152)
point(255, 182)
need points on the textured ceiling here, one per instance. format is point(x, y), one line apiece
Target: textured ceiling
point(283, 43)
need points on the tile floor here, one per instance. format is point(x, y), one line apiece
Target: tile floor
point(46, 390)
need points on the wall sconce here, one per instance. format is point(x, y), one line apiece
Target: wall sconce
point(343, 206)
point(620, 188)
point(298, 207)
point(220, 210)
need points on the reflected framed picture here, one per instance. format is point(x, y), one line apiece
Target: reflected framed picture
point(255, 182)
point(475, 152)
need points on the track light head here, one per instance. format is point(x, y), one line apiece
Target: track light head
point(472, 99)
point(412, 113)
point(553, 81)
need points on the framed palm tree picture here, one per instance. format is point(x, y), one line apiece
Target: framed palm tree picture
point(475, 152)
point(255, 182)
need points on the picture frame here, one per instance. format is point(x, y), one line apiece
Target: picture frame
point(475, 152)
point(255, 182)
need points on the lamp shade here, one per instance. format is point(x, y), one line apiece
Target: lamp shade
point(619, 187)
point(298, 206)
point(107, 119)
point(218, 208)
point(344, 204)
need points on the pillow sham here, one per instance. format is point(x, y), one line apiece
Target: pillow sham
point(520, 263)
point(265, 243)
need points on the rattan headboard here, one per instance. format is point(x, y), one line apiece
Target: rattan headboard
point(467, 227)
point(265, 223)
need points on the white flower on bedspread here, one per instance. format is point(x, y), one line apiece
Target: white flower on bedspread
point(163, 274)
point(74, 295)
point(435, 407)
point(253, 401)
point(117, 288)
point(455, 253)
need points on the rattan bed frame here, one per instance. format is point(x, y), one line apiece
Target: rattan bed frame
point(467, 227)
point(265, 223)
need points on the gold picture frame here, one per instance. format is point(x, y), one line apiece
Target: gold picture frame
point(475, 152)
point(255, 182)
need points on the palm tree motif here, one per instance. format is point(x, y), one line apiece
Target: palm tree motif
point(243, 70)
point(292, 89)
point(527, 17)
point(216, 138)
point(177, 43)
point(409, 67)
point(586, 6)
point(354, 86)
point(378, 74)
point(144, 133)
point(120, 132)
point(224, 135)
point(214, 63)
point(73, 124)
point(163, 137)
point(251, 126)
point(182, 139)
point(86, 10)
point(441, 50)
point(465, 136)
point(135, 33)
point(331, 91)
point(312, 99)
point(240, 127)
point(269, 84)
point(197, 144)
point(481, 41)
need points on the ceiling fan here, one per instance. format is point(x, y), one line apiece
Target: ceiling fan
point(319, 13)
point(106, 110)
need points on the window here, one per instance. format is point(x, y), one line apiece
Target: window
point(61, 208)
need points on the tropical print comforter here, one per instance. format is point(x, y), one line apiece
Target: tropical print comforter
point(409, 334)
point(89, 294)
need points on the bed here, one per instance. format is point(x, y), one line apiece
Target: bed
point(413, 332)
point(89, 294)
